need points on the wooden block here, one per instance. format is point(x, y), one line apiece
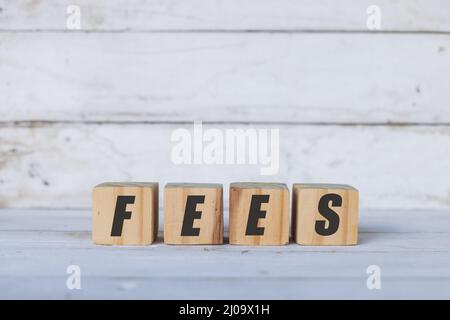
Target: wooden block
point(259, 213)
point(193, 213)
point(324, 214)
point(125, 213)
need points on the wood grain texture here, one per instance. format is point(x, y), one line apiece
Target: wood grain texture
point(136, 15)
point(268, 217)
point(382, 162)
point(36, 246)
point(210, 220)
point(141, 228)
point(306, 212)
point(275, 77)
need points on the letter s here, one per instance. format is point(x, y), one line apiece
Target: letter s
point(329, 214)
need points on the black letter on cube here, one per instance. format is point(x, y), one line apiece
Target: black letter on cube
point(121, 214)
point(190, 214)
point(255, 214)
point(329, 214)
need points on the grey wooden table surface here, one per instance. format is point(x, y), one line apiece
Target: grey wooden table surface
point(410, 247)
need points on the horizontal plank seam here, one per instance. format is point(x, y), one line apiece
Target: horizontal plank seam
point(280, 31)
point(4, 210)
point(89, 231)
point(417, 277)
point(60, 245)
point(45, 123)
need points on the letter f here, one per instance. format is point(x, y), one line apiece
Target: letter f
point(121, 214)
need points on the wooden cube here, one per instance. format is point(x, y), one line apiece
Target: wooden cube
point(125, 213)
point(324, 214)
point(259, 213)
point(193, 213)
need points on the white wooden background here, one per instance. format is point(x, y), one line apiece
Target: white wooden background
point(353, 106)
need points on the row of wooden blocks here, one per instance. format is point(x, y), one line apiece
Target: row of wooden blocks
point(127, 214)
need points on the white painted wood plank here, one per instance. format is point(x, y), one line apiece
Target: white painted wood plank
point(412, 266)
point(187, 262)
point(302, 78)
point(57, 166)
point(230, 289)
point(79, 220)
point(380, 231)
point(137, 15)
point(370, 242)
